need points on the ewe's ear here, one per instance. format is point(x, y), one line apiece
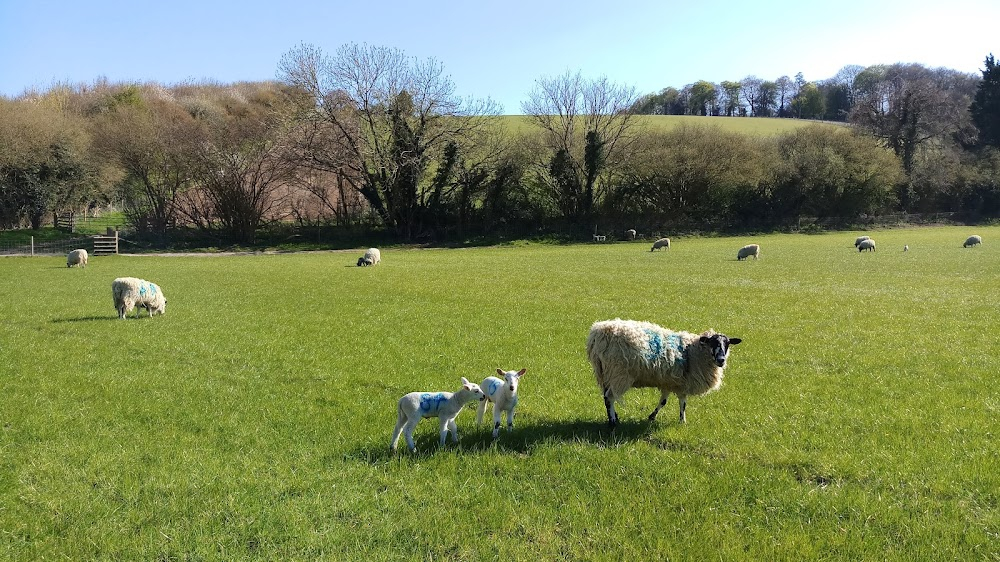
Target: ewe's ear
point(734, 341)
point(704, 339)
point(500, 372)
point(521, 372)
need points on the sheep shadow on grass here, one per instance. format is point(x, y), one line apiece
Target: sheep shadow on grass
point(528, 435)
point(84, 319)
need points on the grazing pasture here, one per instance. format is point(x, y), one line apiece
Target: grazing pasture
point(858, 418)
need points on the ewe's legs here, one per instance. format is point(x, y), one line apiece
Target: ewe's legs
point(663, 402)
point(609, 405)
point(684, 404)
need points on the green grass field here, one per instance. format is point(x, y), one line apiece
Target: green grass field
point(858, 419)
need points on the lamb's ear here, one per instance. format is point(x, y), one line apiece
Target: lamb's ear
point(734, 341)
point(521, 372)
point(465, 381)
point(500, 372)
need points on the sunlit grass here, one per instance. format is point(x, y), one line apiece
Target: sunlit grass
point(857, 420)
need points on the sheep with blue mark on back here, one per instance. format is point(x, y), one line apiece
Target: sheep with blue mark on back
point(502, 394)
point(632, 354)
point(445, 406)
point(132, 292)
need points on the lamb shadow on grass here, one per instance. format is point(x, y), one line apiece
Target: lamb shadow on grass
point(528, 436)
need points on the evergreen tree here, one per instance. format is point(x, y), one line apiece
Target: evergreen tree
point(985, 107)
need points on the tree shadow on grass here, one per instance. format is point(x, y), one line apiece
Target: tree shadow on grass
point(530, 435)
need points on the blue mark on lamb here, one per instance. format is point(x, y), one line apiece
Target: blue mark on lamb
point(493, 386)
point(430, 402)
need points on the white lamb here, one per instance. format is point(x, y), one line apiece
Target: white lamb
point(445, 406)
point(630, 234)
point(502, 394)
point(130, 292)
point(973, 240)
point(661, 243)
point(747, 251)
point(77, 257)
point(867, 244)
point(630, 354)
point(860, 239)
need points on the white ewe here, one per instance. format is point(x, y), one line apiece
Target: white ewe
point(77, 257)
point(630, 354)
point(973, 240)
point(867, 244)
point(371, 257)
point(130, 292)
point(445, 406)
point(747, 251)
point(661, 243)
point(502, 394)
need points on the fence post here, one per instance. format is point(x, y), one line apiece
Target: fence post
point(32, 246)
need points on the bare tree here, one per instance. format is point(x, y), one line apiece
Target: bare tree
point(153, 144)
point(378, 119)
point(586, 128)
point(243, 170)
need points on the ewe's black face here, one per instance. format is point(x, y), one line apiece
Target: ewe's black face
point(719, 344)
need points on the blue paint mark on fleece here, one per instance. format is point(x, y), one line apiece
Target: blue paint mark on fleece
point(142, 289)
point(658, 347)
point(431, 402)
point(494, 385)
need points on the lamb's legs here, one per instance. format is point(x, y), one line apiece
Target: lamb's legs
point(408, 432)
point(496, 421)
point(609, 405)
point(400, 422)
point(510, 419)
point(453, 425)
point(663, 402)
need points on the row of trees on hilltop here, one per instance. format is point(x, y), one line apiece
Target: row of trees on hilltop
point(367, 137)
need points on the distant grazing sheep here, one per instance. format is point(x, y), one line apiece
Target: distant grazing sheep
point(747, 251)
point(860, 239)
point(906, 247)
point(502, 394)
point(630, 234)
point(445, 406)
point(77, 257)
point(973, 240)
point(371, 257)
point(630, 354)
point(661, 243)
point(130, 292)
point(868, 244)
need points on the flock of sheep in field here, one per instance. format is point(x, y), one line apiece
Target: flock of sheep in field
point(624, 354)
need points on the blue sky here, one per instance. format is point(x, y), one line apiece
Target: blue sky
point(490, 49)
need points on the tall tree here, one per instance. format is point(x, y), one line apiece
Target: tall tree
point(586, 127)
point(730, 102)
point(380, 118)
point(703, 97)
point(985, 106)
